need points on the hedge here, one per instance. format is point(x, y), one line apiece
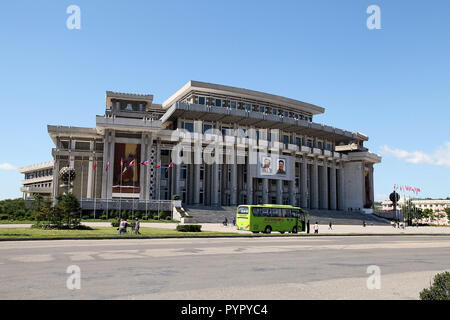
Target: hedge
point(189, 228)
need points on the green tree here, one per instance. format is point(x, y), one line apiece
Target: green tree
point(439, 290)
point(447, 211)
point(67, 211)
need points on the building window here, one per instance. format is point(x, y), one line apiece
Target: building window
point(328, 146)
point(248, 107)
point(320, 145)
point(285, 139)
point(233, 104)
point(189, 126)
point(218, 102)
point(309, 143)
point(261, 109)
point(206, 127)
point(224, 130)
point(298, 141)
point(201, 100)
point(274, 111)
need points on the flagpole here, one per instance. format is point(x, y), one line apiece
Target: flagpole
point(120, 189)
point(81, 195)
point(107, 208)
point(95, 185)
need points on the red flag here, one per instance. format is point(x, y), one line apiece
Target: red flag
point(145, 163)
point(68, 163)
point(107, 166)
point(131, 164)
point(170, 166)
point(158, 165)
point(121, 162)
point(95, 165)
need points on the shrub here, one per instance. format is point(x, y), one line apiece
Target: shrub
point(4, 217)
point(189, 228)
point(439, 290)
point(115, 223)
point(176, 197)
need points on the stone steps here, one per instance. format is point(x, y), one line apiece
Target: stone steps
point(218, 214)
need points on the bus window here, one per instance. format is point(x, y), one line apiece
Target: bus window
point(275, 212)
point(265, 212)
point(286, 213)
point(243, 210)
point(256, 212)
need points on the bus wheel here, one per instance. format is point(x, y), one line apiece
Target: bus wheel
point(268, 230)
point(294, 230)
point(255, 231)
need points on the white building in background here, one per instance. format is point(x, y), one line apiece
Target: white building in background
point(38, 179)
point(433, 204)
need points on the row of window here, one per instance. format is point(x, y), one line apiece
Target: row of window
point(81, 145)
point(274, 212)
point(189, 126)
point(39, 174)
point(250, 107)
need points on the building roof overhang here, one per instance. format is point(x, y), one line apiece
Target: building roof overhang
point(245, 118)
point(211, 88)
point(36, 167)
point(68, 131)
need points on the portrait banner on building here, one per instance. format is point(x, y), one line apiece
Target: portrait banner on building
point(274, 166)
point(127, 158)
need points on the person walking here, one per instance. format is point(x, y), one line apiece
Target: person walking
point(123, 226)
point(307, 227)
point(316, 228)
point(330, 226)
point(137, 226)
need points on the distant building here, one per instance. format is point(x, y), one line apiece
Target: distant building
point(38, 179)
point(434, 204)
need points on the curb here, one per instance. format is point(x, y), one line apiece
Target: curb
point(230, 236)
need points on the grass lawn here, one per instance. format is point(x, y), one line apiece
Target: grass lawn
point(84, 220)
point(97, 232)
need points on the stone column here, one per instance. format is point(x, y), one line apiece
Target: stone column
point(90, 190)
point(106, 156)
point(234, 189)
point(324, 186)
point(110, 175)
point(292, 192)
point(315, 185)
point(341, 191)
point(304, 182)
point(265, 190)
point(279, 191)
point(333, 205)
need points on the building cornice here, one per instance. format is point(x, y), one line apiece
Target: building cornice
point(241, 93)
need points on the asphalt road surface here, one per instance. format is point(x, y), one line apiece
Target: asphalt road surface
point(256, 268)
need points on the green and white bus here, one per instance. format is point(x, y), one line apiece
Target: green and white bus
point(270, 217)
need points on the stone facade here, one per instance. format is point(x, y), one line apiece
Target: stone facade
point(209, 140)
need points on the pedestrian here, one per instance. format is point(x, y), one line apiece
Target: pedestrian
point(234, 221)
point(137, 226)
point(225, 221)
point(307, 227)
point(123, 226)
point(330, 226)
point(316, 228)
point(364, 223)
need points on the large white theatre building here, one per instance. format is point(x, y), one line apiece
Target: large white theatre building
point(214, 145)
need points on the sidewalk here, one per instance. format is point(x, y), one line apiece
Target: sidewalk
point(323, 229)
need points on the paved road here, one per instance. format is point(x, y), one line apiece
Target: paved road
point(257, 268)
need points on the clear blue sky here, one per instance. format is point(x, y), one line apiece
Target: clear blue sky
point(392, 84)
